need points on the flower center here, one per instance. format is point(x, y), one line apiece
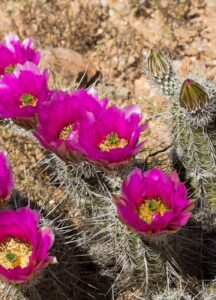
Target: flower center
point(151, 207)
point(15, 253)
point(28, 99)
point(10, 69)
point(65, 132)
point(112, 141)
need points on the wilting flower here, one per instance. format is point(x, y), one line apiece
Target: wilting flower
point(23, 247)
point(6, 178)
point(153, 202)
point(111, 137)
point(13, 52)
point(59, 119)
point(21, 92)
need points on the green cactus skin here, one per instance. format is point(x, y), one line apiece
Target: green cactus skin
point(192, 124)
point(192, 251)
point(128, 259)
point(131, 260)
point(196, 147)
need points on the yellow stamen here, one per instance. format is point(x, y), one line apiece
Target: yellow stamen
point(28, 99)
point(151, 207)
point(112, 141)
point(65, 132)
point(15, 253)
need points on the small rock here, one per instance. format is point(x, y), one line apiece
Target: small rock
point(143, 88)
point(68, 67)
point(120, 7)
point(123, 92)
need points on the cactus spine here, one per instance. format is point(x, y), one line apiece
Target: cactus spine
point(128, 259)
point(192, 115)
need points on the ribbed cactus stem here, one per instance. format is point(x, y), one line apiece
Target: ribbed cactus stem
point(137, 257)
point(210, 192)
point(115, 248)
point(195, 137)
point(193, 119)
point(11, 291)
point(195, 148)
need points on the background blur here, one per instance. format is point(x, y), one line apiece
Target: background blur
point(110, 39)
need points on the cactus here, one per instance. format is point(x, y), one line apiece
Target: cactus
point(173, 295)
point(60, 280)
point(192, 115)
point(18, 130)
point(160, 72)
point(136, 261)
point(130, 260)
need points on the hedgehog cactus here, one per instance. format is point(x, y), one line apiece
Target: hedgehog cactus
point(137, 224)
point(91, 181)
point(192, 115)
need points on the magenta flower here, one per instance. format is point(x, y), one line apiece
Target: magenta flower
point(58, 120)
point(153, 202)
point(21, 93)
point(111, 137)
point(6, 178)
point(13, 52)
point(23, 247)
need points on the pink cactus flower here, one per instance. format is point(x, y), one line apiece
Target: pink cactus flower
point(6, 178)
point(112, 137)
point(58, 120)
point(13, 52)
point(153, 202)
point(21, 93)
point(23, 247)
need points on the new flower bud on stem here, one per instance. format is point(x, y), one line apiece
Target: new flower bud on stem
point(193, 96)
point(158, 64)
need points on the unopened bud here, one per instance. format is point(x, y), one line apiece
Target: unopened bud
point(159, 64)
point(193, 96)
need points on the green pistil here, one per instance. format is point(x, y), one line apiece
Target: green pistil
point(113, 138)
point(11, 256)
point(26, 98)
point(152, 205)
point(9, 69)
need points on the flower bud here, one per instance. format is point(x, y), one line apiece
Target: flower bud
point(193, 96)
point(159, 64)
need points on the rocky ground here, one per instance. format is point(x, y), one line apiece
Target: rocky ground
point(109, 40)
